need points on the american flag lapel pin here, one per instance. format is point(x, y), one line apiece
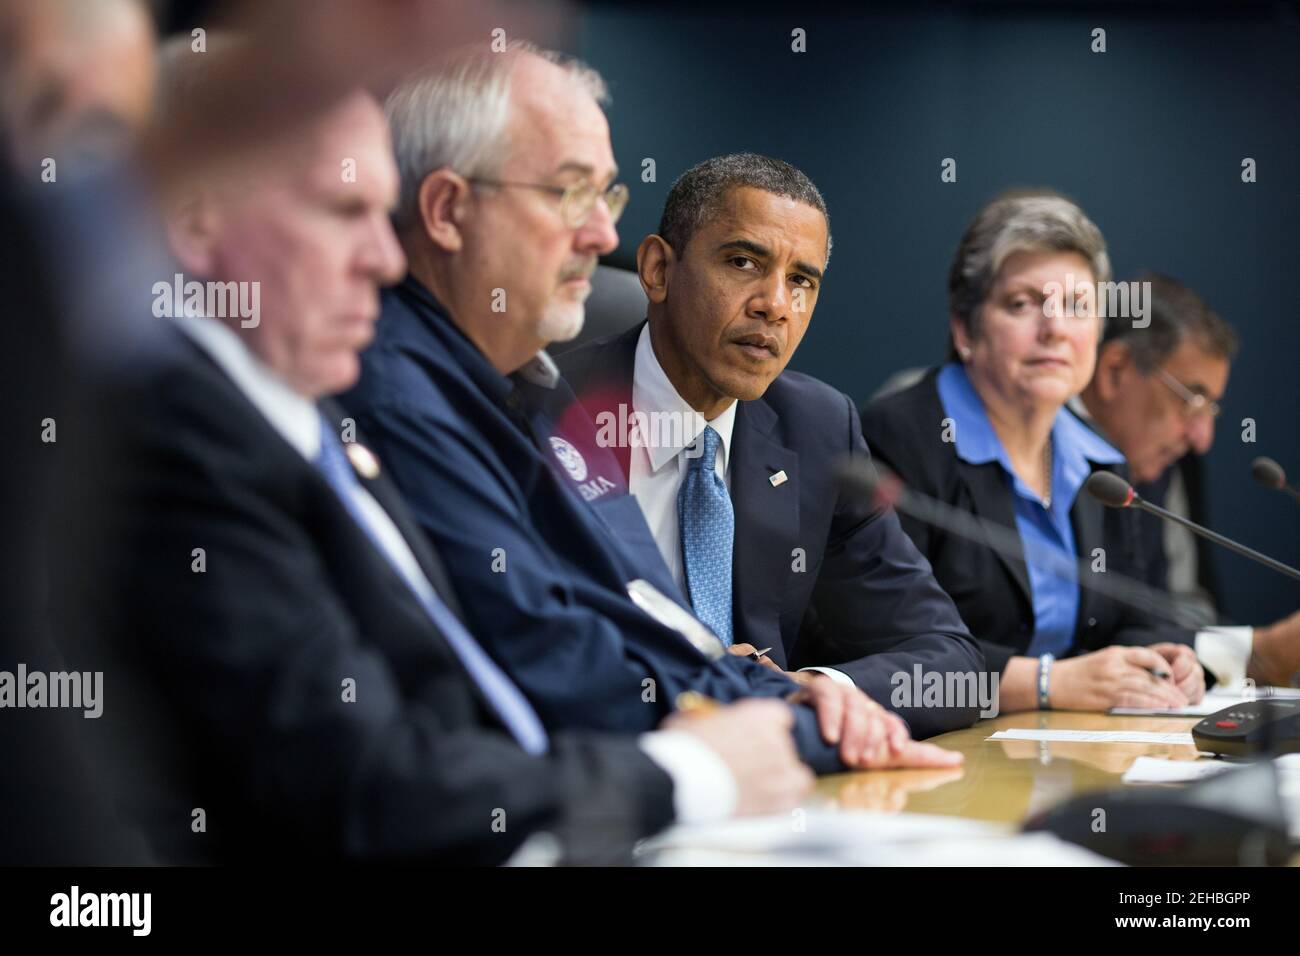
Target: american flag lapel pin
point(778, 479)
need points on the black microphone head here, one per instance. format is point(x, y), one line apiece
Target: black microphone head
point(1268, 473)
point(1110, 489)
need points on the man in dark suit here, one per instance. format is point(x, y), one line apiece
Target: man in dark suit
point(719, 443)
point(1155, 396)
point(287, 670)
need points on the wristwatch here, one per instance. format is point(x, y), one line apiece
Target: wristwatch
point(1044, 680)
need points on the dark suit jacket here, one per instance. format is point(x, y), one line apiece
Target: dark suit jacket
point(232, 677)
point(992, 591)
point(864, 600)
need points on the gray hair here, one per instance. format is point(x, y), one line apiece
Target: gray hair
point(1018, 221)
point(698, 192)
point(454, 116)
point(1176, 314)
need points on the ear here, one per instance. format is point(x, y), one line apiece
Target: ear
point(443, 202)
point(1114, 364)
point(192, 225)
point(654, 265)
point(960, 334)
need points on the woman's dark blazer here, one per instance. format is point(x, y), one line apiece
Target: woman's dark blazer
point(905, 434)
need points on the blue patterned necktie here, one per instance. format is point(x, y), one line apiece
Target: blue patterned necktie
point(505, 698)
point(707, 524)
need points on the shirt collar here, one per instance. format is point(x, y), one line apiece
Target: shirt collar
point(653, 392)
point(293, 415)
point(1074, 444)
point(973, 435)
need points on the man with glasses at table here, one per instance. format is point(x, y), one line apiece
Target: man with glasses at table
point(1155, 396)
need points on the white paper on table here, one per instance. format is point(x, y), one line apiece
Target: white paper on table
point(860, 838)
point(1161, 770)
point(1203, 709)
point(1094, 736)
point(1213, 702)
point(1164, 770)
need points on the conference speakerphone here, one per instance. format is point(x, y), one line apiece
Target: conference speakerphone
point(1251, 727)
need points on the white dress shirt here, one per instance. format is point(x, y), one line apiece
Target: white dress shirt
point(1223, 651)
point(657, 465)
point(704, 789)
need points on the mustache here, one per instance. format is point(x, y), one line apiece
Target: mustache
point(582, 269)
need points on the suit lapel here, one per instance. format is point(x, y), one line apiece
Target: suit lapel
point(603, 384)
point(767, 523)
point(386, 493)
point(623, 367)
point(993, 500)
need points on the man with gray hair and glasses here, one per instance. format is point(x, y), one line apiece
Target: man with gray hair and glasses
point(508, 197)
point(1155, 396)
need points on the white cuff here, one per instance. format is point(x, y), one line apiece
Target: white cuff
point(1225, 653)
point(838, 676)
point(704, 790)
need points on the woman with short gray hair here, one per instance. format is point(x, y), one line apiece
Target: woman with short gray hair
point(988, 433)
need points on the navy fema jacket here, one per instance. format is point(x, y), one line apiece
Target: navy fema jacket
point(540, 537)
point(865, 601)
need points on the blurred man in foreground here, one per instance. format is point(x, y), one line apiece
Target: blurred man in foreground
point(77, 82)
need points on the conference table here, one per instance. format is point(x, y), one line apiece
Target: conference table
point(1001, 783)
point(1007, 780)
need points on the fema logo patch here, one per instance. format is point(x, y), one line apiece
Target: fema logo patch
point(570, 458)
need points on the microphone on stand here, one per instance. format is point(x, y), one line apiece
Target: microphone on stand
point(1114, 492)
point(1270, 474)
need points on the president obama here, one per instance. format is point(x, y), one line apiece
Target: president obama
point(742, 500)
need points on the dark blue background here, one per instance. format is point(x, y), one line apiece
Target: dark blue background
point(1148, 137)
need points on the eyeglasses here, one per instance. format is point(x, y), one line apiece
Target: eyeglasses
point(577, 201)
point(1194, 404)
